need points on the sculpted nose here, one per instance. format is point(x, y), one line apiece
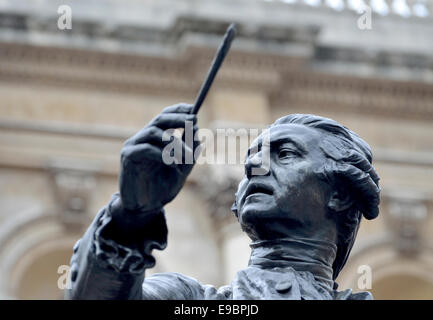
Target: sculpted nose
point(255, 166)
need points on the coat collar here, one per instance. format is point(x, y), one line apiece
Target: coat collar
point(303, 255)
point(286, 283)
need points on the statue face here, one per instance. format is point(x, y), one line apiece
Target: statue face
point(290, 198)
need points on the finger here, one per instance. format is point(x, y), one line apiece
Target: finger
point(140, 153)
point(179, 108)
point(148, 134)
point(172, 120)
point(168, 156)
point(153, 135)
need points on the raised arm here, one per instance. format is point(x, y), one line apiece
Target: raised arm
point(110, 260)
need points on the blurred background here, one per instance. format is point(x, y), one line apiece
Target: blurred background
point(70, 97)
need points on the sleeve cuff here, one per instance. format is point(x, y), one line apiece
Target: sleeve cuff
point(132, 258)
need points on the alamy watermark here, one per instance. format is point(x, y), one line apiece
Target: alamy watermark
point(366, 277)
point(220, 146)
point(365, 20)
point(64, 280)
point(64, 22)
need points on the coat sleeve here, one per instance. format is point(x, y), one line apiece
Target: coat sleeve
point(176, 286)
point(102, 268)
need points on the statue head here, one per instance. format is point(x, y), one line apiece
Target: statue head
point(318, 185)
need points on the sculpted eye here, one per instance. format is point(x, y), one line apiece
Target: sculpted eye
point(287, 153)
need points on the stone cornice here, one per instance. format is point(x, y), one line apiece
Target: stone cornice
point(178, 76)
point(314, 91)
point(288, 81)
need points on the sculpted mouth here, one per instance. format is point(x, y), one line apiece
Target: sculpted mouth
point(258, 188)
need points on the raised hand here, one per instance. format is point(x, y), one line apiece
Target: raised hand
point(146, 182)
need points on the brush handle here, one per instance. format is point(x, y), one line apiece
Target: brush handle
point(216, 64)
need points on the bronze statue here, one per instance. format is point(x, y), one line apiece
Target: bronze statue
point(302, 215)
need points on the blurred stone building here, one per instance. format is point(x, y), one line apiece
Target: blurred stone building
point(69, 98)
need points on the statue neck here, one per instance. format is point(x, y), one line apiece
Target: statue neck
point(314, 256)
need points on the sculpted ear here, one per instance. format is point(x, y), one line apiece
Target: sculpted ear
point(339, 201)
